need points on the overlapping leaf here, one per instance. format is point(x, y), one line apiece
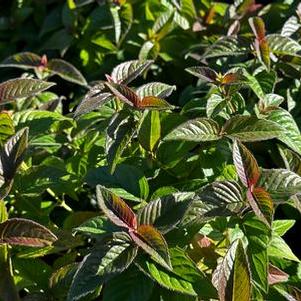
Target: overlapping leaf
point(21, 87)
point(100, 265)
point(246, 165)
point(116, 209)
point(19, 231)
point(232, 277)
point(153, 243)
point(198, 130)
point(250, 128)
point(128, 71)
point(23, 60)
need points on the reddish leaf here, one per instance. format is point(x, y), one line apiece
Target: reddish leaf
point(19, 231)
point(231, 78)
point(258, 27)
point(261, 44)
point(262, 204)
point(152, 102)
point(276, 275)
point(246, 165)
point(116, 209)
point(248, 6)
point(124, 93)
point(153, 243)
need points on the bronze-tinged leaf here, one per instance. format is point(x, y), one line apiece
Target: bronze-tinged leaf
point(116, 209)
point(19, 231)
point(258, 27)
point(246, 165)
point(124, 93)
point(262, 204)
point(21, 87)
point(152, 242)
point(22, 60)
point(66, 71)
point(155, 103)
point(232, 277)
point(205, 73)
point(232, 78)
point(276, 275)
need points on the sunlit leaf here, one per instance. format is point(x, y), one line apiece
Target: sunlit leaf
point(250, 128)
point(152, 102)
point(116, 209)
point(262, 204)
point(232, 277)
point(200, 129)
point(66, 71)
point(157, 89)
point(21, 87)
point(153, 243)
point(128, 71)
point(246, 165)
point(19, 231)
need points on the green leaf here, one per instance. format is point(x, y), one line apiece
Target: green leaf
point(181, 21)
point(232, 277)
point(123, 19)
point(258, 235)
point(100, 265)
point(280, 227)
point(281, 45)
point(22, 60)
point(280, 249)
point(246, 165)
point(115, 209)
point(272, 101)
point(290, 131)
point(281, 184)
point(165, 212)
point(262, 204)
point(186, 278)
point(119, 134)
point(19, 231)
point(204, 73)
point(6, 127)
point(197, 130)
point(220, 198)
point(22, 87)
point(128, 71)
point(94, 99)
point(290, 26)
point(98, 225)
point(153, 243)
point(11, 156)
point(125, 287)
point(250, 128)
point(149, 132)
point(254, 84)
point(227, 46)
point(157, 89)
point(66, 71)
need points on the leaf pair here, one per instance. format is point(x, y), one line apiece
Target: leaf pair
point(232, 277)
point(261, 44)
point(209, 75)
point(249, 174)
point(29, 60)
point(129, 96)
point(145, 236)
point(148, 96)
